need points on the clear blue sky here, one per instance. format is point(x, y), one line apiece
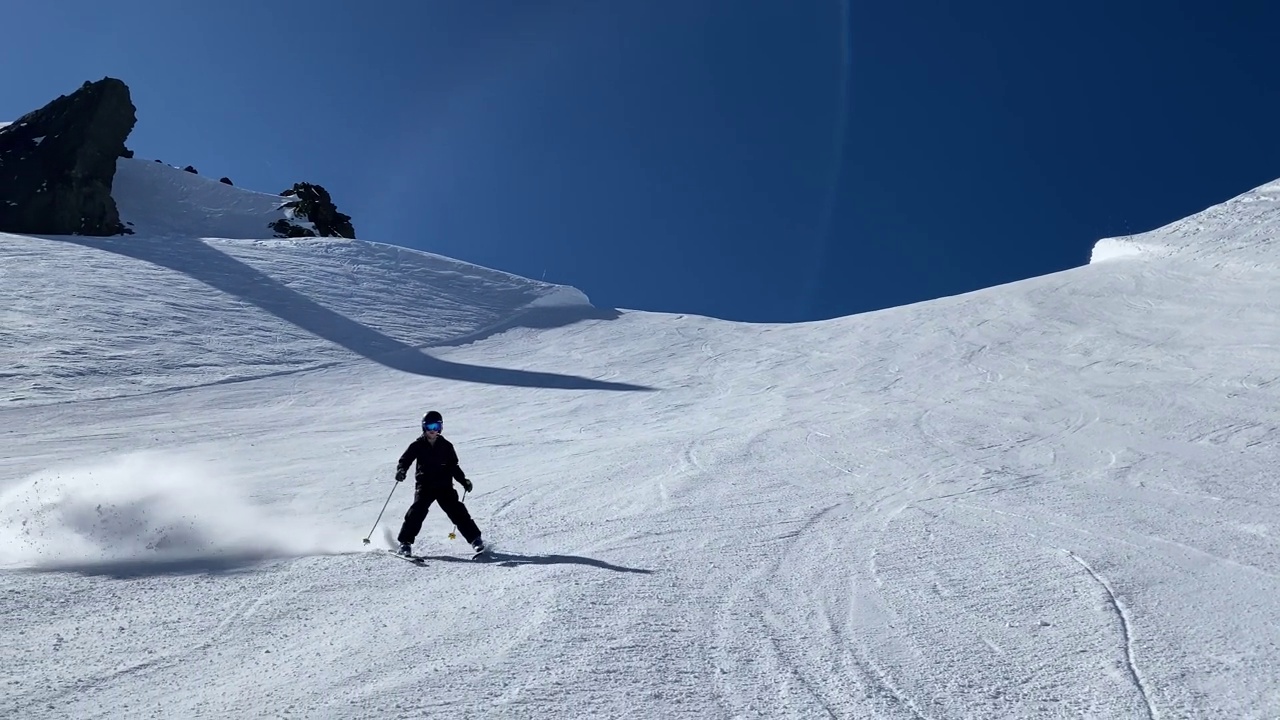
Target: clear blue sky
point(778, 160)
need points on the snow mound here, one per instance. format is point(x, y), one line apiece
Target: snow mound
point(159, 200)
point(561, 296)
point(1240, 231)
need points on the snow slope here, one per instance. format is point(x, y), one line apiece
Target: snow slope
point(1241, 230)
point(88, 318)
point(1054, 498)
point(158, 199)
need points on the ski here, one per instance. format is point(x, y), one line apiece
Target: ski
point(421, 560)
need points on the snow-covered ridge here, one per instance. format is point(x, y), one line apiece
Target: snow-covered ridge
point(1240, 230)
point(156, 199)
point(202, 294)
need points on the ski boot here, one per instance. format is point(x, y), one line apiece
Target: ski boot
point(406, 549)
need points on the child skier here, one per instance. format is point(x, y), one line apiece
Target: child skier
point(437, 469)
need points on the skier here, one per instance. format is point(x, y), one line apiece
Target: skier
point(437, 469)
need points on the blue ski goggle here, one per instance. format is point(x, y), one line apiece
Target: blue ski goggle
point(433, 426)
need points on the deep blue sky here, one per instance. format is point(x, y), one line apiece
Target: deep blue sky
point(777, 160)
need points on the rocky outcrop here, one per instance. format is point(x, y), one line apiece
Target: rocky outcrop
point(285, 229)
point(57, 163)
point(314, 204)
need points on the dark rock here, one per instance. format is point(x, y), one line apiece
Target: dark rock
point(314, 204)
point(191, 170)
point(57, 163)
point(285, 229)
point(127, 154)
point(225, 180)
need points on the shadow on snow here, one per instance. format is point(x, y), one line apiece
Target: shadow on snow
point(214, 268)
point(134, 568)
point(513, 560)
point(234, 563)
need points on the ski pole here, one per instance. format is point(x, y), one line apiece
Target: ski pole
point(384, 509)
point(453, 534)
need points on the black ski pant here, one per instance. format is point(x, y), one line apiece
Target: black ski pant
point(423, 495)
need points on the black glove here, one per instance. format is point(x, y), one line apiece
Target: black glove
point(466, 484)
point(400, 475)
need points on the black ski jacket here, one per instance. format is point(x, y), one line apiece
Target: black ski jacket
point(437, 462)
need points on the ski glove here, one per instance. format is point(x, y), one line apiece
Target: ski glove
point(466, 484)
point(400, 475)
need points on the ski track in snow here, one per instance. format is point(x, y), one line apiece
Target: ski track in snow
point(1050, 499)
point(1126, 631)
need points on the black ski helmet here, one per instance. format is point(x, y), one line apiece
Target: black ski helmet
point(431, 417)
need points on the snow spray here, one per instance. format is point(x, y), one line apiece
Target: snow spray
point(140, 507)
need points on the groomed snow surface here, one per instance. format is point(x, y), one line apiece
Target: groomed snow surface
point(1050, 499)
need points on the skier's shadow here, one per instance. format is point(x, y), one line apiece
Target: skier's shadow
point(513, 560)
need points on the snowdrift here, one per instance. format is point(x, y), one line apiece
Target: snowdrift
point(1240, 231)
